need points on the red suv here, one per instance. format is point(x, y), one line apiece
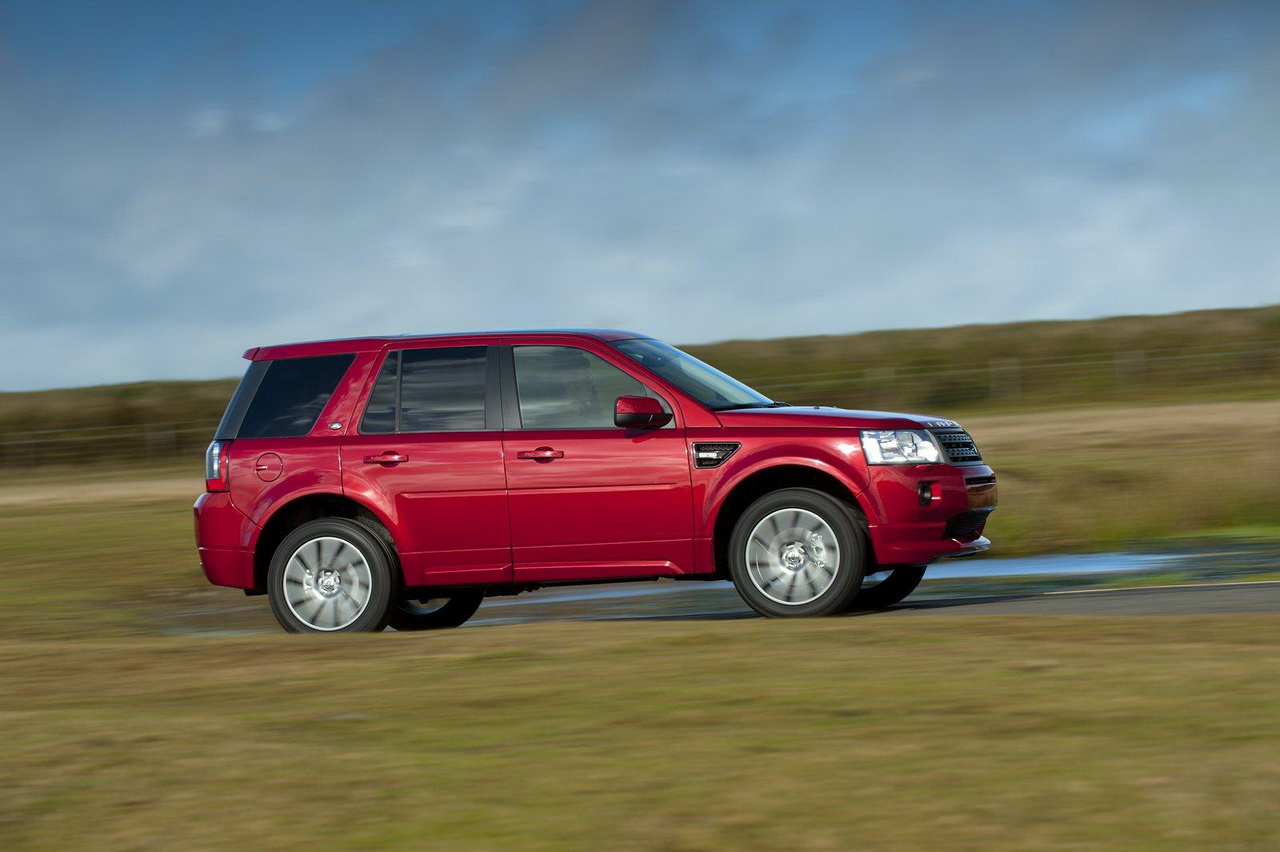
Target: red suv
point(400, 480)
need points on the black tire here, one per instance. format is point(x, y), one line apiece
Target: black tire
point(286, 593)
point(797, 507)
point(424, 614)
point(902, 581)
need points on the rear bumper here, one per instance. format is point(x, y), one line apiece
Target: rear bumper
point(222, 533)
point(949, 524)
point(226, 567)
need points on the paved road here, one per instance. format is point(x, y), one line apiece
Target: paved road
point(680, 601)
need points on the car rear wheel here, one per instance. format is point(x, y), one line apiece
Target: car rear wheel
point(434, 613)
point(796, 553)
point(884, 589)
point(330, 576)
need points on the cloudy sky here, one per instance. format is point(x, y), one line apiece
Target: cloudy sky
point(182, 180)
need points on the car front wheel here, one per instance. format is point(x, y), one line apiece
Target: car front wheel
point(797, 553)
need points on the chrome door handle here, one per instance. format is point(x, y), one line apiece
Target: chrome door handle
point(386, 458)
point(540, 453)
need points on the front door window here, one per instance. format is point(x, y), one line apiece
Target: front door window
point(560, 387)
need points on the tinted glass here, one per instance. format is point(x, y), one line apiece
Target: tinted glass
point(234, 415)
point(442, 389)
point(561, 387)
point(701, 381)
point(439, 390)
point(291, 395)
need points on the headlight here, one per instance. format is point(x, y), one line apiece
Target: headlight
point(903, 446)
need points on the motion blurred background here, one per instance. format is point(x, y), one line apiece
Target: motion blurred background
point(1050, 219)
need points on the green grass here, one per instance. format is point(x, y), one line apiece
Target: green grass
point(963, 732)
point(1080, 502)
point(79, 567)
point(124, 731)
point(960, 733)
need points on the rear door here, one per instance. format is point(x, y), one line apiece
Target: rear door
point(589, 500)
point(428, 452)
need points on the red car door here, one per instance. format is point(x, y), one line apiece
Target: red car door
point(428, 453)
point(589, 500)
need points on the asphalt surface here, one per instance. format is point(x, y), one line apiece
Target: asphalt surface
point(691, 601)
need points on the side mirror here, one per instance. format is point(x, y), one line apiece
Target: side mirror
point(639, 412)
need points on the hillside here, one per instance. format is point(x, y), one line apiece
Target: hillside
point(1199, 356)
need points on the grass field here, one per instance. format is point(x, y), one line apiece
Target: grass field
point(955, 733)
point(1106, 477)
point(963, 732)
point(132, 724)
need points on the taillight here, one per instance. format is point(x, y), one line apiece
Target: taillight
point(215, 466)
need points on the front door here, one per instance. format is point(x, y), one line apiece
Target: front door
point(589, 500)
point(428, 453)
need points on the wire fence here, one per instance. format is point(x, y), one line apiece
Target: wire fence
point(1165, 374)
point(106, 444)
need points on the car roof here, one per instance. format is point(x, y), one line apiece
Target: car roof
point(366, 344)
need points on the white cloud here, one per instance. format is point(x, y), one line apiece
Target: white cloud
point(628, 167)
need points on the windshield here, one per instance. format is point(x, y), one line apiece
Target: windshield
point(704, 383)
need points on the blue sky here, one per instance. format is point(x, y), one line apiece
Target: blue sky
point(182, 181)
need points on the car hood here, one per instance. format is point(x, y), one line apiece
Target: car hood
point(821, 416)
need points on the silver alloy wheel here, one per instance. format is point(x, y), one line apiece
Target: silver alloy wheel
point(327, 583)
point(792, 556)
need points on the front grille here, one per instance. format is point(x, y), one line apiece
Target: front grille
point(967, 525)
point(958, 446)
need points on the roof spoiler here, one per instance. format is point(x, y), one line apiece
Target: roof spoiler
point(249, 353)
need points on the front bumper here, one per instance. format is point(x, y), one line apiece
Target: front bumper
point(928, 512)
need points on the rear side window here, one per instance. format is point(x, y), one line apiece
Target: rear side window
point(429, 390)
point(289, 395)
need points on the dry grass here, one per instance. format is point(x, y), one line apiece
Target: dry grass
point(126, 487)
point(1098, 478)
point(966, 732)
point(962, 733)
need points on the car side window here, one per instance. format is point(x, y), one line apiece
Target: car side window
point(563, 387)
point(429, 390)
point(288, 397)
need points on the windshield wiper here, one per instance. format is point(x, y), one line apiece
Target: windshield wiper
point(739, 405)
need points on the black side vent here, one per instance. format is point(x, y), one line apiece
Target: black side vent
point(712, 455)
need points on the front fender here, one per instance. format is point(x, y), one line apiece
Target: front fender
point(831, 461)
